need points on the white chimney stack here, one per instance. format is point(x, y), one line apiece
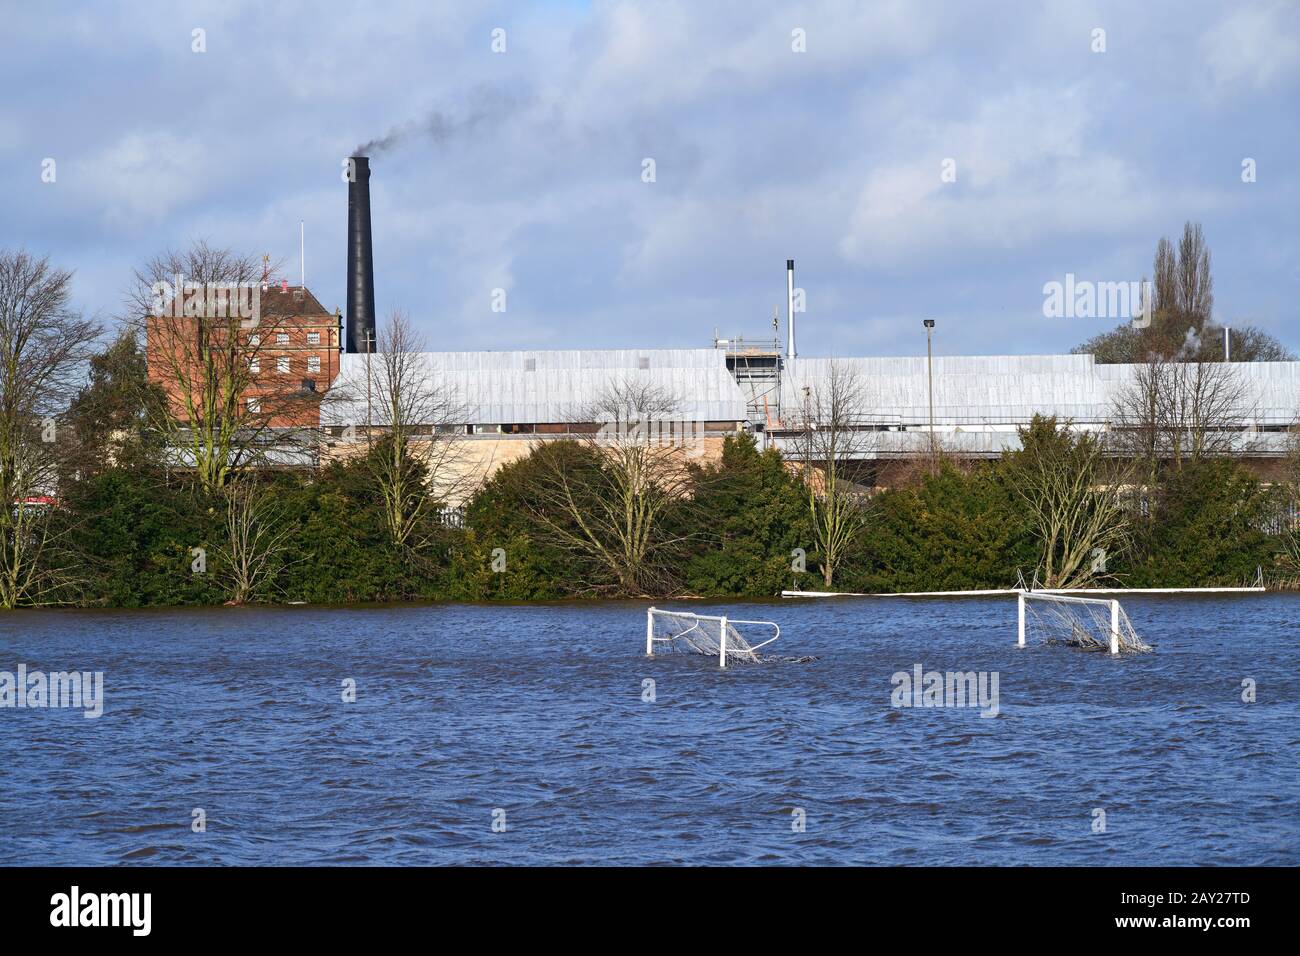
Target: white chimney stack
point(789, 298)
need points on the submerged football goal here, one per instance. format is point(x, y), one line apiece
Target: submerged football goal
point(1093, 624)
point(683, 632)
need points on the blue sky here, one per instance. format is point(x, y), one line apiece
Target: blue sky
point(1067, 160)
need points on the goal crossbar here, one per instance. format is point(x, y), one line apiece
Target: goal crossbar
point(1067, 598)
point(1120, 634)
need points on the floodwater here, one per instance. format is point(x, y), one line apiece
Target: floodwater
point(527, 735)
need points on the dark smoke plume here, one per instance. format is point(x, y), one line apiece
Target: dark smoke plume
point(486, 107)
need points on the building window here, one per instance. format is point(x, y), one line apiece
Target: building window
point(643, 362)
point(313, 338)
point(530, 365)
point(255, 366)
point(255, 340)
point(255, 405)
point(313, 363)
point(282, 364)
point(281, 338)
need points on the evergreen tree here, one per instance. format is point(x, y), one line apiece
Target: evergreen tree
point(754, 514)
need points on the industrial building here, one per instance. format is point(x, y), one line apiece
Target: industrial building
point(507, 401)
point(504, 402)
point(970, 406)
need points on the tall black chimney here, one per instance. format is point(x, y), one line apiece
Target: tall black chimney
point(361, 261)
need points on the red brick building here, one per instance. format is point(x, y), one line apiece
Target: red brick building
point(280, 362)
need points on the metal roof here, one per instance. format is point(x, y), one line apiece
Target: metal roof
point(557, 386)
point(1000, 389)
point(1268, 392)
point(553, 386)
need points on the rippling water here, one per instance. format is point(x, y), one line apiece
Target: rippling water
point(537, 711)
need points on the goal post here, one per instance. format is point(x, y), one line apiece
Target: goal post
point(1088, 623)
point(1114, 627)
point(714, 635)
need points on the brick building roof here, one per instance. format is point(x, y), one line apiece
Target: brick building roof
point(294, 300)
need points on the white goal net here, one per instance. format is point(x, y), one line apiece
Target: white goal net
point(1093, 624)
point(683, 632)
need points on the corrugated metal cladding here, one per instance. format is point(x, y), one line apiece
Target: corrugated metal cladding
point(1268, 392)
point(554, 386)
point(999, 389)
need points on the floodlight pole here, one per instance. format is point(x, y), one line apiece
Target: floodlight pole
point(929, 372)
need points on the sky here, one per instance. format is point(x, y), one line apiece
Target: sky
point(916, 159)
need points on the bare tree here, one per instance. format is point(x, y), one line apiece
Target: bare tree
point(417, 462)
point(1249, 344)
point(253, 551)
point(835, 436)
point(1076, 500)
point(1209, 412)
point(1181, 411)
point(44, 345)
point(607, 499)
point(1182, 326)
point(1195, 284)
point(207, 328)
point(1164, 281)
point(1137, 416)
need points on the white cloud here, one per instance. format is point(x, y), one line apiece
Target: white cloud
point(1256, 45)
point(668, 55)
point(1065, 159)
point(1029, 164)
point(142, 179)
